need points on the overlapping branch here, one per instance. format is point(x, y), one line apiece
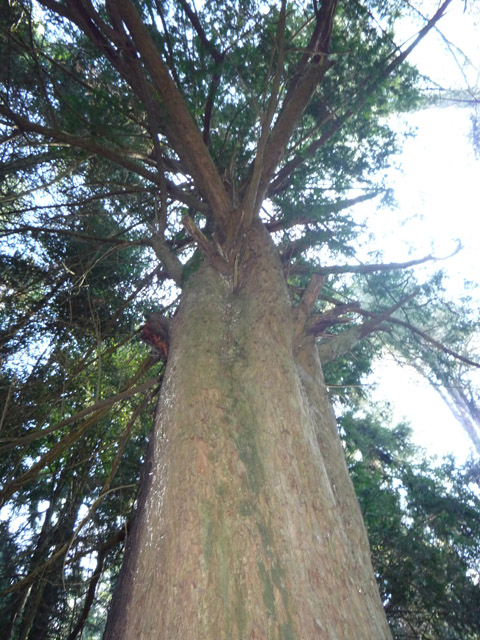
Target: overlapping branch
point(310, 72)
point(181, 129)
point(367, 90)
point(99, 410)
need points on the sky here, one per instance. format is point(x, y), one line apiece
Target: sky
point(438, 202)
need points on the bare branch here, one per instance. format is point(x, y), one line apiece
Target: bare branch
point(321, 321)
point(338, 345)
point(370, 268)
point(430, 340)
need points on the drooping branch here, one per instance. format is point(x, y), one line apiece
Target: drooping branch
point(59, 552)
point(62, 137)
point(338, 345)
point(98, 411)
point(117, 538)
point(429, 340)
point(12, 330)
point(41, 186)
point(35, 231)
point(107, 403)
point(118, 156)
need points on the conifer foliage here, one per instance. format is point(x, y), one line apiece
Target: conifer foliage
point(140, 141)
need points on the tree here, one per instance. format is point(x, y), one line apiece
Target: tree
point(423, 528)
point(227, 143)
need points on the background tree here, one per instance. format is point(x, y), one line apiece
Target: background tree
point(200, 163)
point(423, 528)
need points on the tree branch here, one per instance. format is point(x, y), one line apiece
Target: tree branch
point(430, 340)
point(299, 94)
point(369, 88)
point(13, 443)
point(339, 345)
point(370, 268)
point(252, 198)
point(320, 209)
point(211, 251)
point(167, 257)
point(35, 231)
point(181, 129)
point(112, 542)
point(71, 140)
point(321, 321)
point(217, 57)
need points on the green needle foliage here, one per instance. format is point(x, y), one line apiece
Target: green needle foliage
point(102, 213)
point(424, 529)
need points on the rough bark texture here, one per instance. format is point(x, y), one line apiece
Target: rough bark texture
point(249, 527)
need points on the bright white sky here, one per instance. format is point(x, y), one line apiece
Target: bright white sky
point(438, 195)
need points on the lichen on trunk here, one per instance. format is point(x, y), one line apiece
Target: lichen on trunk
point(248, 527)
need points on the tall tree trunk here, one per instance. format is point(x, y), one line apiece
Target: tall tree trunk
point(249, 526)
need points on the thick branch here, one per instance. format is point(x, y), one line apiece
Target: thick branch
point(211, 251)
point(369, 89)
point(321, 321)
point(309, 297)
point(306, 81)
point(253, 198)
point(168, 259)
point(181, 129)
point(311, 293)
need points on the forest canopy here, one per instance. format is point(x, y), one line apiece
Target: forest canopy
point(140, 140)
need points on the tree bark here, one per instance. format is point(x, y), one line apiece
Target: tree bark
point(248, 526)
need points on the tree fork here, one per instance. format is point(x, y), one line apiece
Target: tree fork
point(248, 525)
